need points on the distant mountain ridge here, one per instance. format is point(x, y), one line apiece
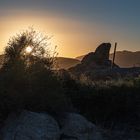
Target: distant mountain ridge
point(61, 62)
point(66, 63)
point(127, 58)
point(124, 58)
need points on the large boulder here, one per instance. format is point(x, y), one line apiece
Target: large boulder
point(41, 126)
point(31, 126)
point(95, 65)
point(76, 127)
point(100, 56)
point(102, 51)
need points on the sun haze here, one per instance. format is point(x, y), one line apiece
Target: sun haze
point(76, 27)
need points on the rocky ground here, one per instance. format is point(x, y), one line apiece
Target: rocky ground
point(42, 126)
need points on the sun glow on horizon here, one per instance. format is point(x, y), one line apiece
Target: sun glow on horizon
point(67, 34)
point(72, 36)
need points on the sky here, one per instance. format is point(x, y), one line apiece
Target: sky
point(76, 26)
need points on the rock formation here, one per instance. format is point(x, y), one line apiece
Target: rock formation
point(41, 126)
point(96, 60)
point(100, 56)
point(31, 126)
point(77, 127)
point(95, 65)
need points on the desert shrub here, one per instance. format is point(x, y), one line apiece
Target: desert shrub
point(27, 79)
point(107, 105)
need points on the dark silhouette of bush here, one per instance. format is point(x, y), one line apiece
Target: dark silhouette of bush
point(27, 79)
point(106, 105)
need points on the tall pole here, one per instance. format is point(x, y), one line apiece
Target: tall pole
point(114, 54)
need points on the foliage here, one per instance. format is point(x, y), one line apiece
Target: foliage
point(108, 102)
point(16, 52)
point(27, 79)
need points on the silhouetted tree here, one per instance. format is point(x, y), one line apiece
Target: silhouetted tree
point(27, 78)
point(28, 47)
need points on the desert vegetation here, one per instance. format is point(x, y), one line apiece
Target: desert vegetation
point(28, 81)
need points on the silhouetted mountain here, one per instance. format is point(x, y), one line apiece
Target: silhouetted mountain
point(66, 63)
point(80, 57)
point(61, 62)
point(127, 58)
point(124, 58)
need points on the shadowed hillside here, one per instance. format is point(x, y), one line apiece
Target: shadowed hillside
point(127, 58)
point(61, 62)
point(66, 63)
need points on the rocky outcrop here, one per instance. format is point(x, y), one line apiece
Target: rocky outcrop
point(41, 126)
point(97, 60)
point(95, 65)
point(100, 56)
point(31, 126)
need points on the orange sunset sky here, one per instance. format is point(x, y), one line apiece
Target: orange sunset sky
point(75, 30)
